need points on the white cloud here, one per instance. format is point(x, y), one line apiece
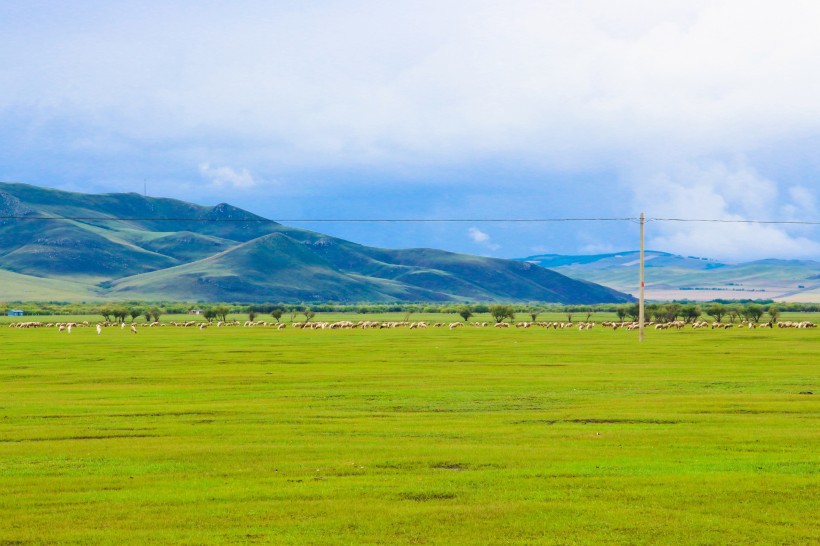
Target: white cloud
point(227, 177)
point(803, 204)
point(482, 238)
point(554, 82)
point(665, 95)
point(738, 242)
point(477, 235)
point(720, 191)
point(598, 249)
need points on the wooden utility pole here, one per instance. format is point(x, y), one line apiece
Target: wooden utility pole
point(640, 297)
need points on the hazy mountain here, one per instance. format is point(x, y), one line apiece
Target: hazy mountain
point(223, 253)
point(670, 276)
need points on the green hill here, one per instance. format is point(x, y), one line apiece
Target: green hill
point(670, 276)
point(128, 246)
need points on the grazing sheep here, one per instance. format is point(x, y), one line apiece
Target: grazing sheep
point(134, 328)
point(99, 329)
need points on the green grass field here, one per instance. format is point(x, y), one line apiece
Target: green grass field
point(472, 436)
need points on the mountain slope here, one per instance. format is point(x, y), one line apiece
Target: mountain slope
point(669, 276)
point(128, 246)
point(279, 267)
point(102, 249)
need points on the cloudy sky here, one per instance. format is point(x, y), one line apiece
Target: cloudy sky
point(463, 109)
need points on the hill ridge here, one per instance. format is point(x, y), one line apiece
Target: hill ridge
point(164, 250)
point(674, 276)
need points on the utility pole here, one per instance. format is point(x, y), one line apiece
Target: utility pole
point(641, 319)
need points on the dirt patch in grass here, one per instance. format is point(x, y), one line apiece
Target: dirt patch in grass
point(427, 496)
point(67, 438)
point(623, 421)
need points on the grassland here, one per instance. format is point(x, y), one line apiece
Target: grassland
point(17, 287)
point(472, 436)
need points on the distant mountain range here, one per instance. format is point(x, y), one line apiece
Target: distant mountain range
point(172, 250)
point(674, 277)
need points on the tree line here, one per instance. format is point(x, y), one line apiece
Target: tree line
point(719, 310)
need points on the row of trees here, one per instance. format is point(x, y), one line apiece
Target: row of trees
point(655, 311)
point(113, 313)
point(748, 310)
point(667, 312)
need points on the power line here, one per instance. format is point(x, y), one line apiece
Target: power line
point(720, 221)
point(317, 220)
point(395, 220)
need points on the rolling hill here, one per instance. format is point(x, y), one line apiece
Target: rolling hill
point(128, 246)
point(670, 276)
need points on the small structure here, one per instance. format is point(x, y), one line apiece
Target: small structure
point(16, 312)
point(195, 312)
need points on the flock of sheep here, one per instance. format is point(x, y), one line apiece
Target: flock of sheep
point(369, 324)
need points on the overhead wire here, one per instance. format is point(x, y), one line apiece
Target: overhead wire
point(396, 220)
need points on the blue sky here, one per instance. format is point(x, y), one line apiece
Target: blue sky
point(434, 109)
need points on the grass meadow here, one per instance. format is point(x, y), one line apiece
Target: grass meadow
point(471, 436)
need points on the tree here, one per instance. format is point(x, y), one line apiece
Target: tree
point(534, 314)
point(134, 312)
point(251, 314)
point(465, 312)
point(156, 313)
point(569, 311)
point(621, 311)
point(500, 311)
point(753, 312)
point(222, 312)
point(691, 313)
point(774, 313)
point(634, 311)
point(107, 313)
point(733, 311)
point(277, 313)
point(120, 313)
point(147, 313)
point(209, 314)
point(309, 314)
point(716, 310)
point(671, 311)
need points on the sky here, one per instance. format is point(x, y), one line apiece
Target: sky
point(439, 109)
